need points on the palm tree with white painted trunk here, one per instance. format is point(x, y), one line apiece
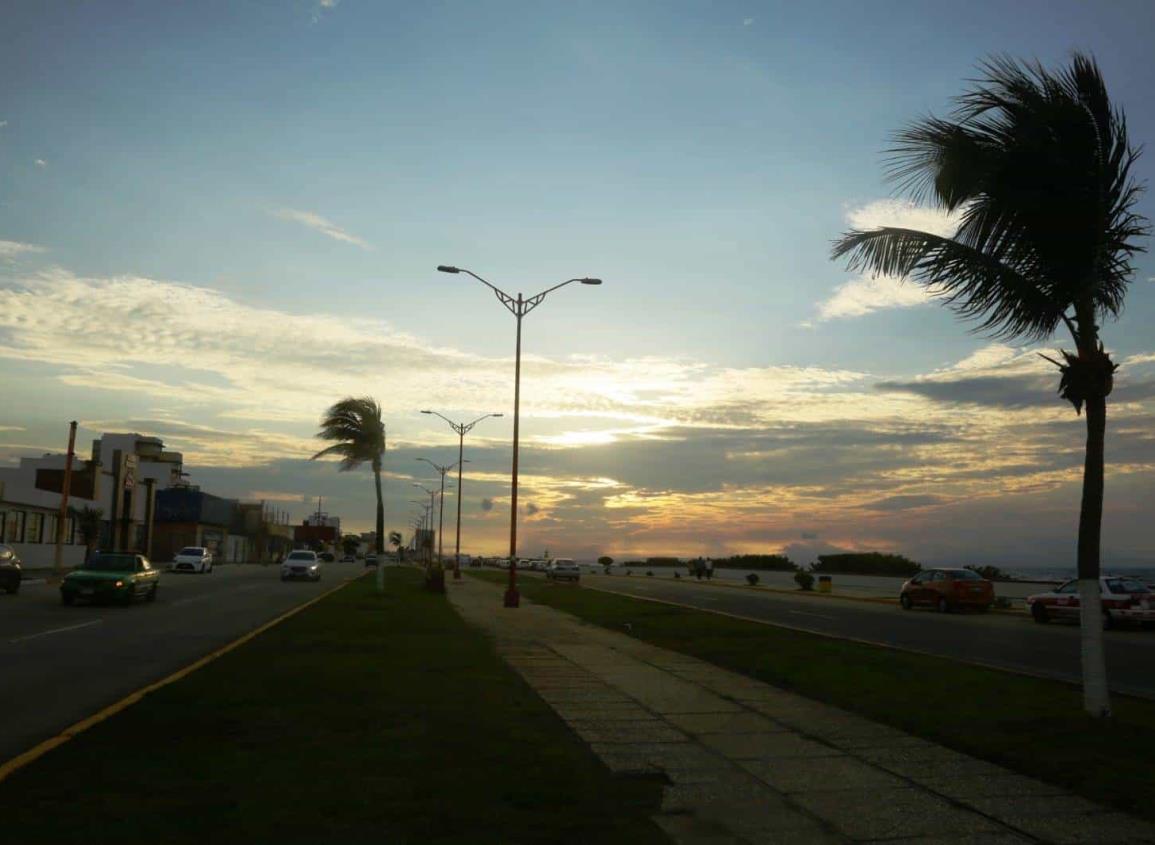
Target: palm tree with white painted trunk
point(1037, 165)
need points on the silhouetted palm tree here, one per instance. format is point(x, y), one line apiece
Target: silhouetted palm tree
point(395, 539)
point(89, 521)
point(1039, 167)
point(359, 434)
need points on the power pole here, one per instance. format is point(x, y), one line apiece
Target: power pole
point(65, 488)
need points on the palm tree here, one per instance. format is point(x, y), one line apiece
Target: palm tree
point(359, 434)
point(395, 540)
point(1038, 166)
point(89, 521)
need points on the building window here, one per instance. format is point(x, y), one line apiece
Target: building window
point(14, 527)
point(34, 532)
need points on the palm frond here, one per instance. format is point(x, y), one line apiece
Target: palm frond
point(357, 431)
point(973, 283)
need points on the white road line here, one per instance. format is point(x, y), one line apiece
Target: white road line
point(190, 600)
point(805, 613)
point(56, 631)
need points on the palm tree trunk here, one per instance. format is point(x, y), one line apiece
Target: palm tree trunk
point(1096, 696)
point(380, 531)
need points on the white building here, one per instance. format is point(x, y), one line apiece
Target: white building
point(120, 478)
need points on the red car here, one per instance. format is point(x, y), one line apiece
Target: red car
point(1124, 600)
point(947, 590)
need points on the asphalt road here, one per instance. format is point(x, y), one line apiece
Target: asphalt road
point(60, 664)
point(1008, 641)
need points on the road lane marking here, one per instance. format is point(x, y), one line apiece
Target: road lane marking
point(815, 615)
point(36, 752)
point(189, 600)
point(56, 631)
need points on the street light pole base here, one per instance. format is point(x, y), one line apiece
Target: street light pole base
point(512, 597)
point(456, 574)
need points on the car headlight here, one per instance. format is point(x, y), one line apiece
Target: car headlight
point(119, 584)
point(314, 566)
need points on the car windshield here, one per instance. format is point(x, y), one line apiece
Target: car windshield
point(111, 563)
point(1126, 585)
point(192, 550)
point(965, 575)
point(301, 556)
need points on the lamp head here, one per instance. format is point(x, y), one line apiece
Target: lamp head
point(427, 412)
point(445, 268)
point(591, 281)
point(497, 415)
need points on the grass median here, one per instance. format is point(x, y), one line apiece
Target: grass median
point(1031, 725)
point(365, 718)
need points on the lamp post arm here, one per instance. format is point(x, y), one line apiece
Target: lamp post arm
point(502, 297)
point(535, 300)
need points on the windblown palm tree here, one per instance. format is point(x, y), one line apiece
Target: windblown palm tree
point(1038, 166)
point(359, 434)
point(89, 521)
point(395, 540)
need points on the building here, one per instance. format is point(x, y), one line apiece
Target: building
point(318, 531)
point(186, 516)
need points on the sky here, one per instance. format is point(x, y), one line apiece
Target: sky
point(216, 219)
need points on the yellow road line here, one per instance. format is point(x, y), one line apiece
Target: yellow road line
point(21, 760)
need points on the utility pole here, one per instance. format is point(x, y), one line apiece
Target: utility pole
point(65, 489)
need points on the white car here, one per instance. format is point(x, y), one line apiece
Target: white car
point(192, 559)
point(1125, 599)
point(563, 569)
point(301, 564)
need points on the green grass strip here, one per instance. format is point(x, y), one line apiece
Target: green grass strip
point(365, 718)
point(1034, 726)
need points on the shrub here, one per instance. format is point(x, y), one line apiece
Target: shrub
point(752, 578)
point(650, 572)
point(605, 560)
point(677, 574)
point(804, 580)
point(991, 573)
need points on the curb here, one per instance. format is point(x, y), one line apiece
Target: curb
point(10, 767)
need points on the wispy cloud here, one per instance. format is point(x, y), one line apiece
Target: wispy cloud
point(747, 21)
point(319, 224)
point(41, 163)
point(11, 249)
point(322, 7)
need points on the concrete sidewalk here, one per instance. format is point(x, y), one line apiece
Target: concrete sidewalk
point(750, 763)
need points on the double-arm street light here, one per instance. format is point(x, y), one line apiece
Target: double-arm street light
point(518, 307)
point(462, 429)
point(441, 513)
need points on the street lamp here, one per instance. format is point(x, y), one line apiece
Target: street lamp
point(441, 513)
point(462, 429)
point(426, 512)
point(432, 495)
point(518, 307)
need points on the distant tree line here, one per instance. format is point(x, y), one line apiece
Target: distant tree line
point(777, 563)
point(865, 563)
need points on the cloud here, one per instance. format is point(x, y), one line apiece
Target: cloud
point(322, 7)
point(319, 224)
point(11, 249)
point(747, 21)
point(869, 293)
point(902, 503)
point(487, 504)
point(531, 509)
point(41, 163)
point(3, 123)
point(276, 496)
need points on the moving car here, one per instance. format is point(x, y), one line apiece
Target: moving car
point(111, 576)
point(947, 590)
point(370, 559)
point(326, 557)
point(301, 564)
point(1125, 599)
point(192, 559)
point(348, 559)
point(563, 569)
point(10, 573)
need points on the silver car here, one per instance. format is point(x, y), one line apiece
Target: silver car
point(563, 569)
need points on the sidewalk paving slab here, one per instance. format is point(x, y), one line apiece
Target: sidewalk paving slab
point(746, 762)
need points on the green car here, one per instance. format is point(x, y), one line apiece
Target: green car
point(115, 576)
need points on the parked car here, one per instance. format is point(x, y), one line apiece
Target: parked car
point(111, 576)
point(192, 559)
point(563, 569)
point(947, 590)
point(370, 559)
point(301, 564)
point(1124, 600)
point(10, 572)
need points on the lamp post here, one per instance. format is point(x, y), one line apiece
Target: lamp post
point(462, 429)
point(432, 497)
point(419, 522)
point(441, 511)
point(518, 307)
